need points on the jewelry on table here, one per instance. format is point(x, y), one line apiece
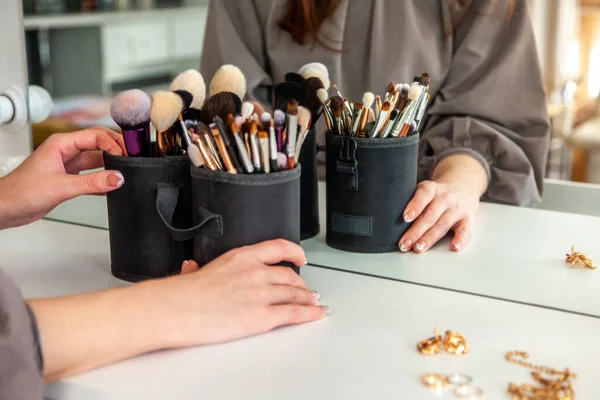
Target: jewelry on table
point(462, 385)
point(552, 383)
point(577, 257)
point(431, 346)
point(459, 379)
point(469, 392)
point(435, 380)
point(453, 342)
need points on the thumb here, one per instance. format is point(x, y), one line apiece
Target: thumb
point(94, 183)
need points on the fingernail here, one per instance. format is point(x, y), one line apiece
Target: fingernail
point(186, 262)
point(305, 263)
point(409, 216)
point(405, 246)
point(420, 246)
point(456, 245)
point(316, 295)
point(325, 309)
point(115, 180)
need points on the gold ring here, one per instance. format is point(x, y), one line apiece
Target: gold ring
point(468, 392)
point(435, 380)
point(459, 379)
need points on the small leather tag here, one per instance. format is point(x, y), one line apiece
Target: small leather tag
point(351, 224)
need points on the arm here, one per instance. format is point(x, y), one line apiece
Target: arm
point(243, 295)
point(234, 36)
point(487, 133)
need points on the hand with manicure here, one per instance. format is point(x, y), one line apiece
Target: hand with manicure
point(449, 202)
point(50, 175)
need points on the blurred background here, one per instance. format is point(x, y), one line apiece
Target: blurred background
point(83, 51)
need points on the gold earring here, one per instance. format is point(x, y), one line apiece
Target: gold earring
point(455, 343)
point(431, 346)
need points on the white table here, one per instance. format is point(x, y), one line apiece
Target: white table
point(515, 253)
point(365, 349)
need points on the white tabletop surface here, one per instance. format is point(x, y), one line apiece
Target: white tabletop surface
point(365, 349)
point(515, 253)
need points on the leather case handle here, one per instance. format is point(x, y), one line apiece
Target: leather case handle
point(166, 202)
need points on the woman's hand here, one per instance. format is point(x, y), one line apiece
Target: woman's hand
point(237, 295)
point(50, 175)
point(449, 202)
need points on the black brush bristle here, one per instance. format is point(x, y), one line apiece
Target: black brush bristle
point(285, 91)
point(310, 100)
point(186, 96)
point(237, 101)
point(220, 104)
point(294, 77)
point(192, 114)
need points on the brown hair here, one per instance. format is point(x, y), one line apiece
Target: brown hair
point(304, 18)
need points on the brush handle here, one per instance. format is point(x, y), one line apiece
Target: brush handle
point(243, 153)
point(279, 139)
point(255, 153)
point(137, 141)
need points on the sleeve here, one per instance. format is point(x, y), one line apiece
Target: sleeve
point(21, 362)
point(234, 33)
point(492, 105)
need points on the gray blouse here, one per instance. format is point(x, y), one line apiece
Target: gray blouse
point(488, 99)
point(20, 354)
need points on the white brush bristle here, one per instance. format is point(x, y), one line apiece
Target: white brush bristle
point(279, 117)
point(313, 72)
point(371, 116)
point(322, 95)
point(228, 78)
point(304, 116)
point(255, 118)
point(368, 99)
point(281, 161)
point(316, 65)
point(131, 108)
point(398, 87)
point(265, 118)
point(193, 82)
point(239, 120)
point(414, 92)
point(247, 109)
point(405, 87)
point(166, 106)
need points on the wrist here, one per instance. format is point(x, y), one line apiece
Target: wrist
point(463, 171)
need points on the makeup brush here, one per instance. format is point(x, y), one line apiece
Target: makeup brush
point(245, 133)
point(218, 139)
point(221, 104)
point(387, 128)
point(421, 112)
point(292, 131)
point(323, 97)
point(424, 80)
point(314, 65)
point(263, 142)
point(165, 110)
point(378, 106)
point(337, 116)
point(255, 147)
point(192, 82)
point(294, 77)
point(229, 154)
point(255, 118)
point(205, 133)
point(258, 108)
point(193, 152)
point(367, 102)
point(247, 110)
point(279, 118)
point(208, 161)
point(371, 117)
point(244, 156)
point(310, 99)
point(382, 120)
point(337, 91)
point(228, 78)
point(304, 123)
point(389, 93)
point(285, 91)
point(268, 122)
point(315, 73)
point(356, 117)
point(281, 162)
point(131, 111)
point(409, 111)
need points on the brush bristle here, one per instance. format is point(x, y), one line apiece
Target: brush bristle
point(387, 106)
point(201, 128)
point(424, 81)
point(255, 118)
point(294, 77)
point(304, 116)
point(263, 135)
point(315, 65)
point(405, 88)
point(368, 99)
point(310, 100)
point(279, 117)
point(398, 87)
point(391, 87)
point(131, 109)
point(192, 82)
point(414, 92)
point(281, 161)
point(314, 73)
point(253, 128)
point(322, 95)
point(239, 120)
point(247, 109)
point(334, 104)
point(220, 104)
point(166, 107)
point(235, 128)
point(186, 97)
point(228, 78)
point(265, 118)
point(358, 106)
point(285, 91)
point(258, 108)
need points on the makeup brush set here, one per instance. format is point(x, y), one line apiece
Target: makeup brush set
point(399, 114)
